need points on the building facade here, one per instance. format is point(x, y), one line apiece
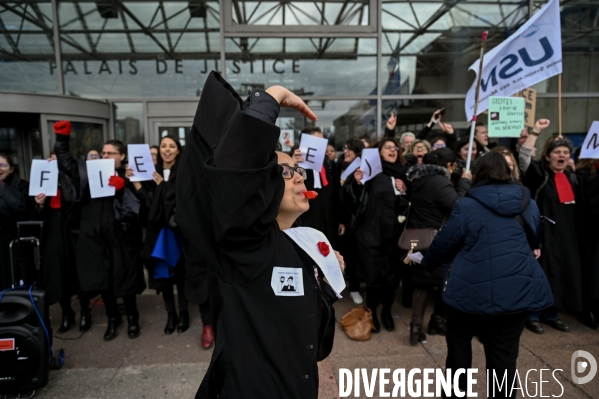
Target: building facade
point(134, 70)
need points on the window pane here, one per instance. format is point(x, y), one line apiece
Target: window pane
point(289, 13)
point(307, 66)
point(84, 137)
point(339, 120)
point(129, 122)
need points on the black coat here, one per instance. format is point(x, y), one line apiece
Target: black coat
point(161, 213)
point(323, 214)
point(109, 245)
point(267, 346)
point(587, 202)
point(560, 256)
point(15, 206)
point(60, 232)
point(432, 199)
point(380, 229)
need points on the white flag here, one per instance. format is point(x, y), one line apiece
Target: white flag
point(529, 56)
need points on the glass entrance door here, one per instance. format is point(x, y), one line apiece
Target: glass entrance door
point(177, 128)
point(21, 140)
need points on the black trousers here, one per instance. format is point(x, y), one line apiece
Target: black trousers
point(500, 335)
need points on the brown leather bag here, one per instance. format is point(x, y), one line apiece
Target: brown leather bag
point(357, 323)
point(416, 240)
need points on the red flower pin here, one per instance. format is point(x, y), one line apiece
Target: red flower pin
point(324, 249)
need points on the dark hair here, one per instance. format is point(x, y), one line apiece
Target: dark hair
point(160, 162)
point(400, 158)
point(118, 144)
point(440, 157)
point(479, 124)
point(155, 147)
point(355, 145)
point(11, 163)
point(492, 168)
point(311, 130)
point(553, 142)
point(464, 141)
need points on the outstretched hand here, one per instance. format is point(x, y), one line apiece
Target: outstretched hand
point(286, 98)
point(392, 121)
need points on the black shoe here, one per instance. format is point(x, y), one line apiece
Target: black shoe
point(111, 330)
point(558, 325)
point(171, 322)
point(67, 321)
point(86, 321)
point(183, 321)
point(588, 319)
point(534, 326)
point(376, 325)
point(133, 328)
point(416, 334)
point(436, 325)
point(387, 319)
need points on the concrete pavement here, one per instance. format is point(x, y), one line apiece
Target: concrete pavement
point(158, 366)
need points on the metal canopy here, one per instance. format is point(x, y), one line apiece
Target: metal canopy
point(434, 31)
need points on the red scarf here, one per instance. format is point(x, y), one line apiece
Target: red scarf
point(323, 177)
point(55, 201)
point(564, 188)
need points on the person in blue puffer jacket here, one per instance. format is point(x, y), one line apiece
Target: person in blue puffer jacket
point(490, 245)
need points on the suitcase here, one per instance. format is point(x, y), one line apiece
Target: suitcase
point(25, 334)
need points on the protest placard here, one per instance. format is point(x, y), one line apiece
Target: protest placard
point(313, 151)
point(370, 164)
point(98, 174)
point(43, 178)
point(590, 147)
point(506, 116)
point(140, 160)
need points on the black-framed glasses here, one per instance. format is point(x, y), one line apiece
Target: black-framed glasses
point(288, 171)
point(106, 153)
point(391, 147)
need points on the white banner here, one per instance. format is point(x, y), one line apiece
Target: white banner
point(529, 56)
point(590, 147)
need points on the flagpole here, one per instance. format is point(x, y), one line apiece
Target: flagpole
point(476, 94)
point(559, 104)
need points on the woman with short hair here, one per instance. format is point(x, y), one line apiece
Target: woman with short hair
point(492, 279)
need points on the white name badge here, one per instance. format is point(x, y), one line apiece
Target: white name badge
point(287, 281)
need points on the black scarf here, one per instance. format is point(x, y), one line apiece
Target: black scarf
point(392, 169)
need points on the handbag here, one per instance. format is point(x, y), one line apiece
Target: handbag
point(416, 240)
point(357, 323)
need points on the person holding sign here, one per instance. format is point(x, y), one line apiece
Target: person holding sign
point(554, 188)
point(353, 203)
point(588, 207)
point(323, 214)
point(110, 240)
point(256, 196)
point(15, 206)
point(379, 232)
point(61, 217)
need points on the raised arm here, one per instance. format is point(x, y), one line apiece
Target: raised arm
point(527, 149)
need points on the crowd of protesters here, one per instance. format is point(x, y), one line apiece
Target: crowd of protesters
point(100, 246)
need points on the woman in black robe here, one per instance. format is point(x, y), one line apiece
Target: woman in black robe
point(61, 216)
point(267, 341)
point(377, 237)
point(587, 202)
point(553, 188)
point(15, 206)
point(353, 203)
point(110, 239)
